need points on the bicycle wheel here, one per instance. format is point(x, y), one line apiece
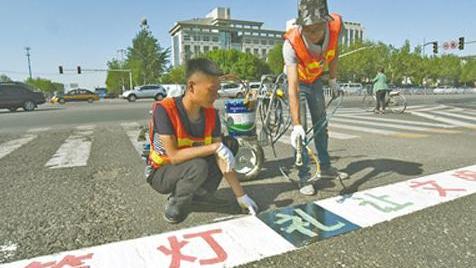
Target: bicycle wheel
point(397, 104)
point(368, 103)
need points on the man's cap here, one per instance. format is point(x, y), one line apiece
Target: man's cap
point(312, 11)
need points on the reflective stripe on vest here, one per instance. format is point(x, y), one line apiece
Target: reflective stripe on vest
point(184, 140)
point(311, 67)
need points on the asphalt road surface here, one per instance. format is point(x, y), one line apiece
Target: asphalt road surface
point(54, 200)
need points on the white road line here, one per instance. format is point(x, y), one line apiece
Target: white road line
point(10, 146)
point(332, 134)
point(467, 117)
point(40, 129)
point(471, 112)
point(75, 151)
point(387, 125)
point(418, 123)
point(378, 131)
point(444, 120)
point(413, 107)
point(432, 108)
point(132, 130)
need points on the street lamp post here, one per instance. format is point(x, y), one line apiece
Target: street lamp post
point(29, 62)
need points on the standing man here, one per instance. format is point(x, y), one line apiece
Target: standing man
point(310, 49)
point(187, 155)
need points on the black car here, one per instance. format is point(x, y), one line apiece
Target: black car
point(14, 95)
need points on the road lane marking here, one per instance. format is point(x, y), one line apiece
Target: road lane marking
point(444, 119)
point(75, 151)
point(418, 123)
point(467, 117)
point(132, 130)
point(387, 125)
point(378, 131)
point(432, 108)
point(10, 146)
point(40, 129)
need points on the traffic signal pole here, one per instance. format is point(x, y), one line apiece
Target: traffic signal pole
point(79, 70)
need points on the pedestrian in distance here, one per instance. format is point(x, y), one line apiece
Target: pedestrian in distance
point(310, 48)
point(380, 90)
point(188, 156)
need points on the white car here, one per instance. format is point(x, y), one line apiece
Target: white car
point(352, 88)
point(156, 92)
point(231, 90)
point(174, 90)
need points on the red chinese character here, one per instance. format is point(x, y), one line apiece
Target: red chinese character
point(436, 187)
point(466, 175)
point(67, 261)
point(176, 248)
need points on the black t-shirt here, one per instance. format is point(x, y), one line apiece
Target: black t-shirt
point(163, 125)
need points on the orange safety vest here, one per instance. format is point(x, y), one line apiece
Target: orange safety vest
point(184, 140)
point(310, 66)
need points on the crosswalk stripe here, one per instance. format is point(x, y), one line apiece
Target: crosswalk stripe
point(406, 127)
point(40, 129)
point(10, 146)
point(132, 131)
point(75, 151)
point(444, 119)
point(471, 112)
point(431, 108)
point(467, 117)
point(332, 134)
point(378, 131)
point(413, 107)
point(418, 123)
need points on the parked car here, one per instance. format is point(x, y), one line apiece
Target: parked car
point(79, 94)
point(231, 90)
point(14, 95)
point(156, 92)
point(174, 90)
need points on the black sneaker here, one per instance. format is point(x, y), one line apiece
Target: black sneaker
point(332, 173)
point(173, 213)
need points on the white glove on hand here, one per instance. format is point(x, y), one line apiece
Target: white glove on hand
point(247, 203)
point(298, 130)
point(333, 86)
point(224, 153)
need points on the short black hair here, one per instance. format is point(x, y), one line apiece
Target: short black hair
point(202, 65)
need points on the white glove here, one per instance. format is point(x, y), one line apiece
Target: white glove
point(298, 130)
point(247, 203)
point(333, 86)
point(224, 153)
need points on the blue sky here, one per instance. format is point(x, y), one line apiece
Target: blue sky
point(89, 32)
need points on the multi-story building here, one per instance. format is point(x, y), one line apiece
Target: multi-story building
point(219, 31)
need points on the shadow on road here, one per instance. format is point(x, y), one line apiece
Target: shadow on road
point(379, 168)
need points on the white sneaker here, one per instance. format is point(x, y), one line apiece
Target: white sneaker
point(307, 190)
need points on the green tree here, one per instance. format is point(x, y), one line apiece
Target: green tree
point(275, 59)
point(175, 75)
point(45, 85)
point(4, 78)
point(245, 65)
point(117, 82)
point(146, 58)
point(468, 72)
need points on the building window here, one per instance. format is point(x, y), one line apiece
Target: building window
point(255, 41)
point(215, 48)
point(271, 42)
point(263, 42)
point(196, 50)
point(248, 50)
point(215, 39)
point(206, 38)
point(196, 38)
point(186, 38)
point(187, 48)
point(263, 52)
point(206, 49)
point(256, 51)
point(247, 41)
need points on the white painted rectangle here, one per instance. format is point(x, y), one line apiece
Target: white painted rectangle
point(74, 152)
point(402, 193)
point(132, 130)
point(10, 146)
point(230, 244)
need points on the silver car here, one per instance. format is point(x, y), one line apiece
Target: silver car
point(231, 90)
point(156, 92)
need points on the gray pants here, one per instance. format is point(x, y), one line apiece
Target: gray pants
point(182, 180)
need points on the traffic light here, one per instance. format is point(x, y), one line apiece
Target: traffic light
point(60, 69)
point(435, 47)
point(461, 43)
point(79, 69)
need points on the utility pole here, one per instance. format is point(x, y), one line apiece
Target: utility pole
point(29, 62)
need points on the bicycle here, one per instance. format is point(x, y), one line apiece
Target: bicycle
point(396, 102)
